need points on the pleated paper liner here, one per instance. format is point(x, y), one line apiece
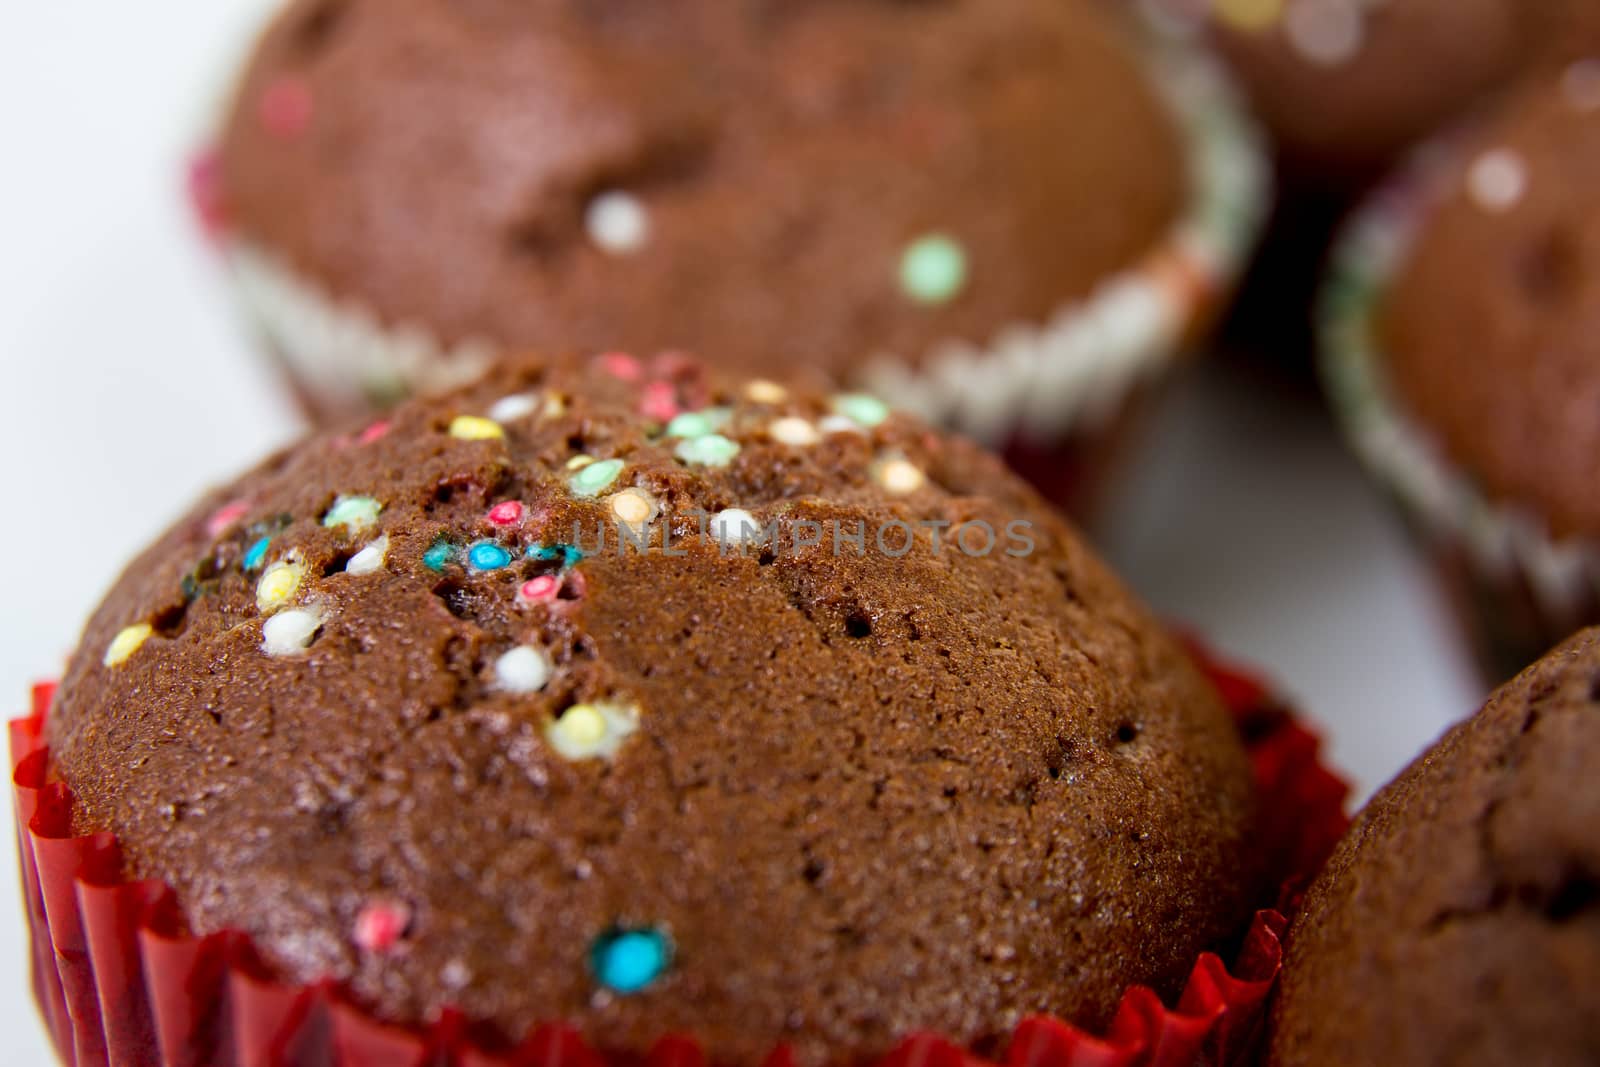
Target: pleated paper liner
point(1056, 390)
point(1516, 589)
point(119, 980)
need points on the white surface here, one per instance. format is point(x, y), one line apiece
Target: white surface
point(127, 388)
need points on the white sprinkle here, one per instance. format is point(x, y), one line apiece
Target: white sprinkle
point(833, 424)
point(899, 476)
point(794, 431)
point(617, 223)
point(523, 670)
point(369, 560)
point(1581, 83)
point(512, 408)
point(765, 392)
point(735, 527)
point(456, 975)
point(1326, 32)
point(291, 632)
point(1498, 179)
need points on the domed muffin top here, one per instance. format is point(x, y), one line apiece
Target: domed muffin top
point(1491, 331)
point(617, 693)
point(819, 181)
point(1459, 921)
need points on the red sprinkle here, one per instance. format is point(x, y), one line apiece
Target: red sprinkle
point(507, 513)
point(225, 516)
point(286, 108)
point(660, 402)
point(374, 432)
point(380, 926)
point(541, 590)
point(621, 365)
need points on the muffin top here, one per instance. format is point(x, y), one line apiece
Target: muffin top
point(1345, 86)
point(1491, 333)
point(1459, 920)
point(814, 182)
point(863, 741)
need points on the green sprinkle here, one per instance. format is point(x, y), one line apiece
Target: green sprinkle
point(439, 556)
point(356, 512)
point(861, 409)
point(933, 269)
point(692, 424)
point(595, 478)
point(712, 450)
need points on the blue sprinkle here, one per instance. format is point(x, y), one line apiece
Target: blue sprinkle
point(488, 556)
point(439, 556)
point(628, 961)
point(569, 555)
point(257, 555)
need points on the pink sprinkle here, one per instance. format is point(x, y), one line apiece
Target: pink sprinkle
point(576, 586)
point(507, 513)
point(541, 590)
point(224, 517)
point(660, 402)
point(375, 432)
point(621, 365)
point(286, 108)
point(380, 926)
point(205, 191)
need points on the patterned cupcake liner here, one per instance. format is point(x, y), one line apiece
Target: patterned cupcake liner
point(1046, 380)
point(119, 981)
point(1518, 588)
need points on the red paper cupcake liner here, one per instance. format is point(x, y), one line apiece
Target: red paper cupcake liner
point(121, 983)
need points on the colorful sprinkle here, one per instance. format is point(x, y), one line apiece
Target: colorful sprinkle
point(734, 526)
point(861, 409)
point(279, 585)
point(1497, 180)
point(507, 513)
point(205, 191)
point(256, 555)
point(523, 670)
point(794, 431)
point(617, 223)
point(594, 478)
point(621, 366)
point(380, 926)
point(577, 463)
point(369, 560)
point(630, 961)
point(712, 450)
point(591, 731)
point(633, 507)
point(126, 643)
point(474, 428)
point(290, 633)
point(933, 269)
point(540, 590)
point(376, 432)
point(567, 555)
point(692, 424)
point(225, 517)
point(488, 556)
point(1249, 16)
point(659, 401)
point(762, 391)
point(355, 512)
point(898, 475)
point(439, 556)
point(512, 408)
point(286, 107)
point(832, 424)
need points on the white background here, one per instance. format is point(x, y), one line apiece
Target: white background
point(127, 387)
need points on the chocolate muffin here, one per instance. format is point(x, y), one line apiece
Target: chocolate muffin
point(1459, 921)
point(989, 211)
point(626, 695)
point(1462, 349)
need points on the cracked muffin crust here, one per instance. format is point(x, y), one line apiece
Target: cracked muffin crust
point(1459, 921)
point(389, 706)
point(765, 184)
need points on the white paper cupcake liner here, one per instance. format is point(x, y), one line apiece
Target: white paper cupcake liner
point(1068, 375)
point(1505, 545)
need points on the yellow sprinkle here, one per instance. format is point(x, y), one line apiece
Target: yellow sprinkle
point(900, 476)
point(1249, 16)
point(126, 643)
point(793, 431)
point(577, 463)
point(633, 507)
point(474, 428)
point(592, 731)
point(279, 585)
point(765, 392)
